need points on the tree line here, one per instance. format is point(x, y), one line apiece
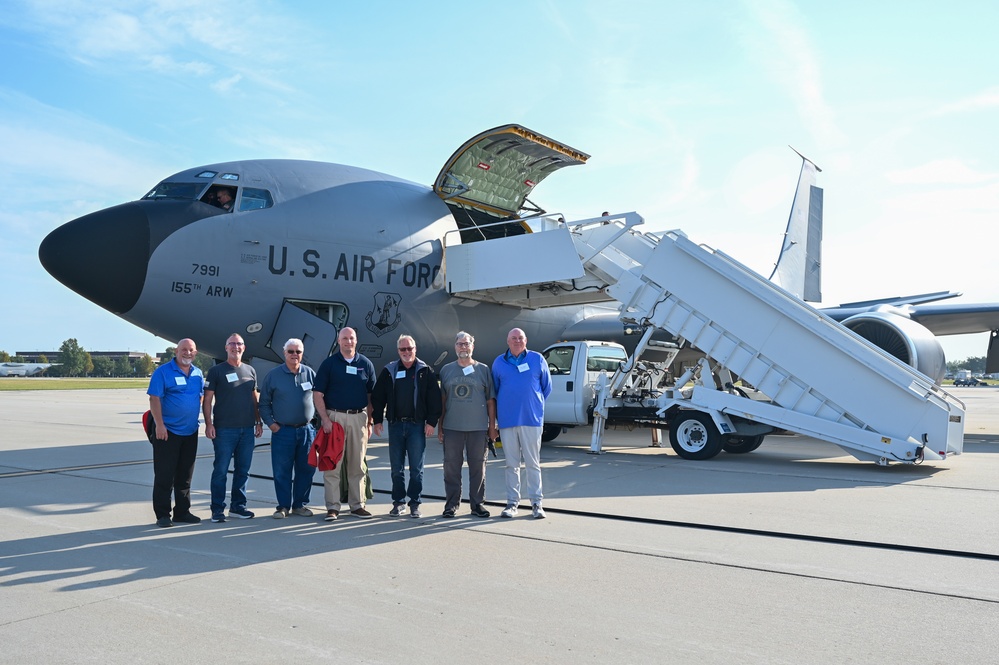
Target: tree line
point(74, 360)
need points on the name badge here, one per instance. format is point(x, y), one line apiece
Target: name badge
point(181, 381)
point(232, 378)
point(401, 374)
point(307, 386)
point(523, 368)
point(351, 369)
point(468, 370)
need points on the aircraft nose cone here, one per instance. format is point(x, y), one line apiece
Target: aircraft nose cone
point(102, 256)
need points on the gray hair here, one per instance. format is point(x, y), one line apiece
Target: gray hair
point(462, 333)
point(293, 340)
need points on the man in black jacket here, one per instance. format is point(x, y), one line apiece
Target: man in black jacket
point(410, 390)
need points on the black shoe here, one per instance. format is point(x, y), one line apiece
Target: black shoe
point(187, 518)
point(164, 522)
point(448, 514)
point(480, 511)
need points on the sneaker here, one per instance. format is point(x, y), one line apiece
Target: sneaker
point(302, 511)
point(510, 510)
point(448, 513)
point(398, 510)
point(218, 517)
point(415, 512)
point(539, 512)
point(187, 518)
point(164, 522)
point(332, 515)
point(280, 513)
point(241, 513)
point(361, 513)
point(480, 511)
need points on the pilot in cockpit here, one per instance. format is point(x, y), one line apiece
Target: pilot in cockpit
point(224, 198)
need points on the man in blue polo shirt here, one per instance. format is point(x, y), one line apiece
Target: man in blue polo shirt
point(522, 383)
point(342, 394)
point(175, 401)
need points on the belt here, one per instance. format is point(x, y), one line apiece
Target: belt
point(290, 425)
point(404, 420)
point(347, 410)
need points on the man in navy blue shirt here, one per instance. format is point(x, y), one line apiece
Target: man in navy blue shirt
point(342, 394)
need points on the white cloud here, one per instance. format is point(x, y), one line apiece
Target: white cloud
point(941, 172)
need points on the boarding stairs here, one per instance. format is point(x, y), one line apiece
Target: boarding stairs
point(821, 380)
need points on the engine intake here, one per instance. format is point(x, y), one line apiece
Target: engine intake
point(903, 338)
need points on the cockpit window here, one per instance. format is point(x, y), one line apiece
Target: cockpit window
point(176, 190)
point(220, 196)
point(207, 174)
point(255, 199)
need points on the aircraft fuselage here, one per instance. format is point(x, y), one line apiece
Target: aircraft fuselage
point(349, 246)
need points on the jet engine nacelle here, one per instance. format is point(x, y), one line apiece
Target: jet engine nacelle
point(900, 336)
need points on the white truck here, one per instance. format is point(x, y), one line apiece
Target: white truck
point(581, 369)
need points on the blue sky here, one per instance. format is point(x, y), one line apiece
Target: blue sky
point(686, 108)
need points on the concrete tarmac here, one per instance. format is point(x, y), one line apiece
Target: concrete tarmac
point(795, 553)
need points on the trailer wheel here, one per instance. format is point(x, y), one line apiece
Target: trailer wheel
point(549, 432)
point(693, 435)
point(737, 445)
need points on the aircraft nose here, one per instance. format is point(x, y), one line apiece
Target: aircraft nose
point(102, 256)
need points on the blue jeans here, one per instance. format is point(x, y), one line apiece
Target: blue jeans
point(407, 439)
point(231, 443)
point(290, 453)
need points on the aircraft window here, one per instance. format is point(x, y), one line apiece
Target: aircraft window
point(230, 176)
point(560, 359)
point(176, 190)
point(604, 358)
point(207, 174)
point(220, 196)
point(255, 199)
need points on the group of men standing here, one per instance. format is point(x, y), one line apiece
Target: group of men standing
point(470, 404)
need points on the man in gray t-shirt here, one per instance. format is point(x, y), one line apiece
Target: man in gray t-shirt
point(469, 417)
point(231, 422)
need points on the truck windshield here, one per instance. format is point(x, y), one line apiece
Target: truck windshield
point(604, 358)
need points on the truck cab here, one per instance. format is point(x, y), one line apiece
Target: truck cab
point(574, 368)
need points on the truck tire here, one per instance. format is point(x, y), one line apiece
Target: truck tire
point(693, 436)
point(737, 445)
point(549, 432)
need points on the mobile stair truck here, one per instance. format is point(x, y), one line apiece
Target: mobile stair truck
point(811, 375)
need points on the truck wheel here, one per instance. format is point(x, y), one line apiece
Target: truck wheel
point(736, 444)
point(693, 435)
point(549, 432)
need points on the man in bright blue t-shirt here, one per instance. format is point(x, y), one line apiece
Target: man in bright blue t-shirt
point(175, 390)
point(522, 383)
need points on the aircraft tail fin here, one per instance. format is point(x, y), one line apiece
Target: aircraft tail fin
point(799, 265)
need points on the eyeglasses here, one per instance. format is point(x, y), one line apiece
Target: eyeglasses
point(235, 344)
point(462, 343)
point(406, 348)
point(295, 351)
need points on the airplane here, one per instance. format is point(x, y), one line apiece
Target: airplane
point(274, 249)
point(24, 369)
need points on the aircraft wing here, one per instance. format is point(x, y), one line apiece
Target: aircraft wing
point(957, 319)
point(496, 170)
point(940, 319)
